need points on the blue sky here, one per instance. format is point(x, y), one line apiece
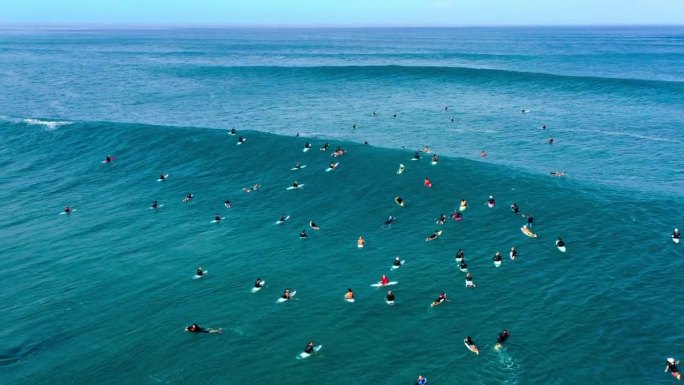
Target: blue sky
point(344, 12)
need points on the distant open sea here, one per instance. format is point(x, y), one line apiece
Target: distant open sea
point(101, 296)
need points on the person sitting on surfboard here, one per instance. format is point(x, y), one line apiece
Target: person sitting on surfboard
point(503, 336)
point(460, 254)
point(332, 165)
point(559, 242)
point(456, 215)
point(287, 294)
point(309, 349)
point(672, 368)
point(416, 156)
point(434, 158)
point(307, 145)
point(108, 159)
point(497, 257)
point(464, 203)
point(389, 296)
point(194, 328)
point(515, 208)
point(675, 233)
point(199, 271)
point(303, 234)
point(384, 280)
point(463, 264)
point(162, 176)
point(233, 131)
point(389, 220)
point(258, 283)
point(514, 253)
point(227, 203)
point(421, 380)
point(442, 297)
point(397, 261)
point(155, 205)
point(349, 294)
point(483, 154)
point(217, 218)
point(67, 210)
point(282, 218)
point(295, 184)
point(469, 280)
point(490, 200)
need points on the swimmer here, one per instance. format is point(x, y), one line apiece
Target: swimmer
point(349, 294)
point(303, 234)
point(421, 380)
point(469, 280)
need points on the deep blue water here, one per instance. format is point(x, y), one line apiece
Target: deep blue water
point(102, 295)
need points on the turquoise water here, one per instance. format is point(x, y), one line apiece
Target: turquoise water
point(102, 295)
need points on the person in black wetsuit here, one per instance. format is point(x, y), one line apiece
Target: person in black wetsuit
point(67, 209)
point(459, 254)
point(530, 220)
point(675, 234)
point(416, 156)
point(155, 205)
point(258, 283)
point(515, 208)
point(672, 367)
point(199, 271)
point(397, 261)
point(227, 203)
point(303, 234)
point(514, 253)
point(503, 336)
point(389, 296)
point(162, 176)
point(194, 328)
point(389, 220)
point(559, 242)
point(217, 218)
point(441, 219)
point(309, 349)
point(497, 257)
point(282, 218)
point(241, 139)
point(463, 265)
point(233, 131)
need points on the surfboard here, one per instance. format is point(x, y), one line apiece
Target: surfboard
point(462, 208)
point(528, 232)
point(165, 176)
point(279, 221)
point(350, 300)
point(303, 355)
point(186, 199)
point(560, 248)
point(400, 203)
point(394, 267)
point(294, 188)
point(433, 163)
point(305, 149)
point(239, 143)
point(300, 167)
point(332, 168)
point(109, 161)
point(209, 330)
point(158, 207)
point(513, 257)
point(389, 302)
point(497, 263)
point(463, 270)
point(472, 347)
point(64, 212)
point(675, 240)
point(459, 259)
point(491, 205)
point(469, 283)
point(401, 169)
point(437, 234)
point(390, 283)
point(204, 272)
point(215, 221)
point(281, 299)
point(313, 225)
point(256, 289)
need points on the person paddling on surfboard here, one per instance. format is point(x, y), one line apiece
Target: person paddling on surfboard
point(442, 297)
point(515, 208)
point(672, 368)
point(397, 261)
point(194, 328)
point(227, 203)
point(349, 294)
point(469, 281)
point(514, 253)
point(421, 380)
point(503, 336)
point(559, 242)
point(325, 147)
point(199, 271)
point(187, 198)
point(303, 234)
point(471, 344)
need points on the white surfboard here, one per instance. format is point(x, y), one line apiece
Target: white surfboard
point(307, 355)
point(560, 248)
point(158, 207)
point(239, 143)
point(513, 257)
point(394, 267)
point(389, 302)
point(469, 283)
point(462, 208)
point(256, 289)
point(165, 177)
point(390, 283)
point(491, 205)
point(64, 212)
point(675, 240)
point(497, 263)
point(463, 270)
point(279, 221)
point(433, 163)
point(294, 188)
point(204, 272)
point(313, 225)
point(300, 167)
point(472, 348)
point(401, 169)
point(332, 168)
point(437, 234)
point(215, 221)
point(292, 294)
point(305, 149)
point(350, 300)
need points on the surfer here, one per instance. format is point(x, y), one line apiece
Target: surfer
point(309, 349)
point(108, 159)
point(194, 328)
point(557, 173)
point(490, 201)
point(441, 219)
point(349, 294)
point(397, 262)
point(543, 126)
point(295, 184)
point(427, 182)
point(416, 156)
point(325, 147)
point(464, 204)
point(422, 380)
point(390, 296)
point(514, 253)
point(459, 255)
point(282, 218)
point(433, 236)
point(286, 294)
point(390, 220)
point(399, 200)
point(332, 165)
point(227, 203)
point(241, 139)
point(434, 159)
point(354, 126)
point(259, 283)
point(672, 368)
point(162, 176)
point(515, 208)
point(483, 154)
point(233, 131)
point(469, 280)
point(254, 188)
point(463, 265)
point(426, 150)
point(469, 341)
point(303, 234)
point(217, 218)
point(456, 215)
point(675, 233)
point(550, 141)
point(187, 198)
point(307, 145)
point(199, 271)
point(503, 336)
point(497, 257)
point(384, 280)
point(442, 297)
point(67, 210)
point(313, 225)
point(530, 220)
point(559, 242)
point(360, 242)
point(155, 205)
point(401, 169)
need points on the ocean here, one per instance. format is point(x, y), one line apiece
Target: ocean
point(102, 295)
